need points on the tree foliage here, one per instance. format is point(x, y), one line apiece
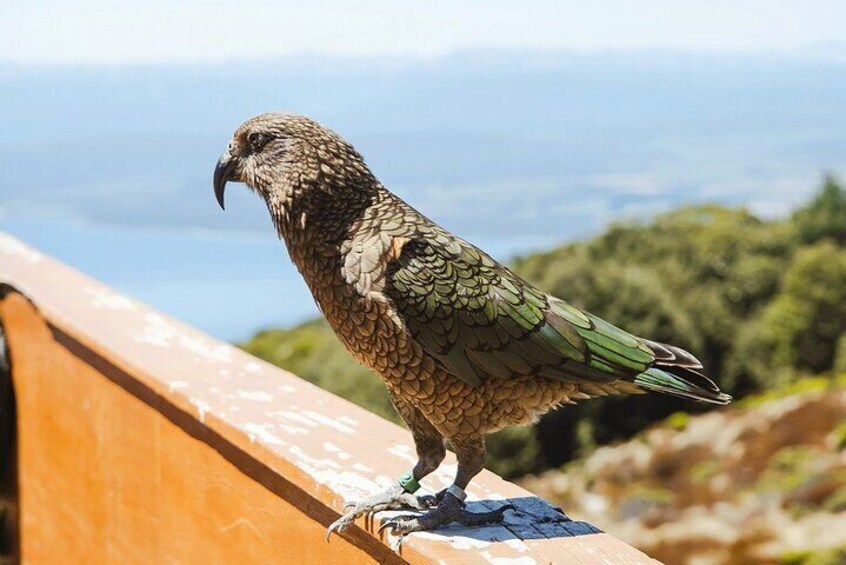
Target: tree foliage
point(825, 216)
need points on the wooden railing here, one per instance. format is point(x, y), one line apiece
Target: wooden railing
point(143, 440)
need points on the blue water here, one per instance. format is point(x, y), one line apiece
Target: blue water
point(227, 285)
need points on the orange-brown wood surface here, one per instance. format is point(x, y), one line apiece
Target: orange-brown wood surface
point(106, 478)
point(143, 440)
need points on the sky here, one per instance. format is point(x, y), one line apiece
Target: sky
point(119, 32)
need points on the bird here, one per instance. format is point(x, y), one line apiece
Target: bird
point(464, 346)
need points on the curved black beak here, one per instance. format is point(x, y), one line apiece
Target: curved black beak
point(223, 173)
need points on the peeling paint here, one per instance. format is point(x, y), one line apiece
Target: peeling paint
point(457, 542)
point(517, 545)
point(252, 367)
point(329, 472)
point(263, 433)
point(203, 408)
point(207, 349)
point(293, 430)
point(525, 560)
point(339, 453)
point(176, 385)
point(384, 481)
point(403, 452)
point(11, 246)
point(309, 461)
point(157, 331)
point(160, 332)
point(348, 421)
point(255, 395)
point(104, 298)
point(294, 417)
point(327, 421)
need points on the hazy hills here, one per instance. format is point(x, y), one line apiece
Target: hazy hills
point(557, 142)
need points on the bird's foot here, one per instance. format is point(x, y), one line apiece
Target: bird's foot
point(392, 498)
point(449, 509)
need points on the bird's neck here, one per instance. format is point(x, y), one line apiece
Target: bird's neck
point(316, 219)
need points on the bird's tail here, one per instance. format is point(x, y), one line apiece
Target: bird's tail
point(682, 382)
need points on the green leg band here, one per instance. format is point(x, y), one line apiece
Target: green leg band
point(408, 482)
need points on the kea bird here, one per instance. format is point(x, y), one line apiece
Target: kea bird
point(464, 346)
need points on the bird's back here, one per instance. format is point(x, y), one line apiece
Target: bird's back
point(476, 319)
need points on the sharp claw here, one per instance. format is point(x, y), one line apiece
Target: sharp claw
point(392, 524)
point(399, 525)
point(398, 544)
point(405, 524)
point(331, 529)
point(388, 524)
point(339, 525)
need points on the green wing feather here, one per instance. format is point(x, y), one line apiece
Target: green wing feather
point(479, 321)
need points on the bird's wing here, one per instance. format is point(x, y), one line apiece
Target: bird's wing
point(480, 320)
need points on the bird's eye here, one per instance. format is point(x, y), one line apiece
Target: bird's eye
point(257, 140)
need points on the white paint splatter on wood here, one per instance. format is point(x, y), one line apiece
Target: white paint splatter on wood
point(262, 432)
point(101, 297)
point(11, 246)
point(255, 395)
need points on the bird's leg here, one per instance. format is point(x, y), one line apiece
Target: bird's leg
point(430, 453)
point(470, 452)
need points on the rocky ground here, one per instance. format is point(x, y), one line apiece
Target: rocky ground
point(763, 481)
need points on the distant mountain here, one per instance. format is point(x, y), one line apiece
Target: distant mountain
point(556, 143)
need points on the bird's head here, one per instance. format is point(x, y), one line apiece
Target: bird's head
point(281, 156)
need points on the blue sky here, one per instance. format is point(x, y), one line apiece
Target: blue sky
point(518, 125)
point(157, 31)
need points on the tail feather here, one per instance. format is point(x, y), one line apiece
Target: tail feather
point(672, 356)
point(681, 382)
